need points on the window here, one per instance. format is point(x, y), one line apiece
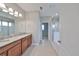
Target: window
point(42, 27)
point(11, 28)
point(4, 23)
point(0, 26)
point(7, 28)
point(0, 23)
point(10, 24)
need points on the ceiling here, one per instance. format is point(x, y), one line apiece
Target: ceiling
point(45, 9)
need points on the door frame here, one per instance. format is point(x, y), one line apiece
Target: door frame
point(41, 30)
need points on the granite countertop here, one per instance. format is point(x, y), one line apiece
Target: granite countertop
point(12, 39)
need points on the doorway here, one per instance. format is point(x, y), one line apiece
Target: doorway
point(44, 31)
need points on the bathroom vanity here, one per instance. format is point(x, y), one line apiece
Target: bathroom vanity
point(15, 46)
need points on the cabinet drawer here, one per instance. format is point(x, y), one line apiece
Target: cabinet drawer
point(15, 51)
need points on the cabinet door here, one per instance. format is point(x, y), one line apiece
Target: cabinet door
point(3, 54)
point(4, 50)
point(29, 40)
point(15, 51)
point(24, 44)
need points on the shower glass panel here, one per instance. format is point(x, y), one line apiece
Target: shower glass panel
point(55, 29)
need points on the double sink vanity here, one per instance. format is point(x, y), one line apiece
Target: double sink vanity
point(16, 45)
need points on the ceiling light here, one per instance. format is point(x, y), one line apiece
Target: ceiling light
point(56, 14)
point(2, 5)
point(10, 9)
point(53, 25)
point(20, 14)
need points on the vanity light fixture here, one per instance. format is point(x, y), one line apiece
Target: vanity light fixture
point(2, 5)
point(0, 22)
point(16, 13)
point(11, 13)
point(4, 10)
point(20, 15)
point(10, 10)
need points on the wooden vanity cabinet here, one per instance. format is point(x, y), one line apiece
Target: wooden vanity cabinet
point(24, 44)
point(4, 53)
point(4, 50)
point(15, 50)
point(29, 40)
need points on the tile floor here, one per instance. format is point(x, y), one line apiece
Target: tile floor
point(43, 49)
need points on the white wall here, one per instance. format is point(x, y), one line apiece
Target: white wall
point(20, 26)
point(69, 29)
point(33, 25)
